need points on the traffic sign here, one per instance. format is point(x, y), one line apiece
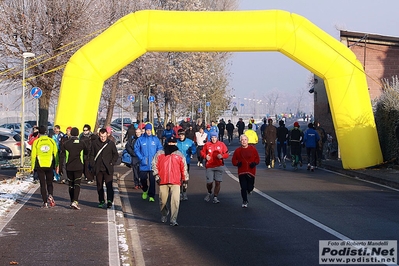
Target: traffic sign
point(36, 92)
point(199, 110)
point(242, 104)
point(208, 104)
point(131, 98)
point(151, 99)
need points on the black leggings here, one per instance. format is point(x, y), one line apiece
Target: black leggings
point(74, 178)
point(247, 183)
point(199, 157)
point(46, 176)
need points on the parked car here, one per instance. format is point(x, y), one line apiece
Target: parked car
point(50, 130)
point(33, 123)
point(17, 128)
point(126, 121)
point(5, 152)
point(12, 140)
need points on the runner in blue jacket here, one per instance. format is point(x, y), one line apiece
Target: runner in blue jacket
point(145, 148)
point(187, 147)
point(310, 139)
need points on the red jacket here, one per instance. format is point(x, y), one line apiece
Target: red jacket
point(213, 149)
point(171, 169)
point(246, 156)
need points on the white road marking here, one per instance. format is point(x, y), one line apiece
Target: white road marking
point(301, 215)
point(113, 247)
point(133, 232)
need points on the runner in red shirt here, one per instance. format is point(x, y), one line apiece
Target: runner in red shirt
point(214, 152)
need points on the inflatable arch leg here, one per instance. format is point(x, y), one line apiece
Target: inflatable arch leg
point(271, 30)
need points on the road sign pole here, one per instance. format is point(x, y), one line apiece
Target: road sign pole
point(37, 112)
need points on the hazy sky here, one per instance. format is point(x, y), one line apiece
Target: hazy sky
point(256, 73)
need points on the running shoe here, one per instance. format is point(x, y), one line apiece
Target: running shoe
point(198, 163)
point(45, 205)
point(174, 223)
point(51, 201)
point(151, 199)
point(144, 196)
point(109, 204)
point(201, 165)
point(312, 169)
point(208, 197)
point(75, 205)
point(101, 204)
point(164, 218)
point(244, 204)
point(184, 196)
point(308, 166)
point(215, 200)
point(90, 182)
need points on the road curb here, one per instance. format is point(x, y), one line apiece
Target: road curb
point(363, 176)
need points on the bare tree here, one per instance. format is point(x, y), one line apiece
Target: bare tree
point(53, 30)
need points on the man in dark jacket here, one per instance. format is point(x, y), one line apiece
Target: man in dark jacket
point(103, 157)
point(240, 127)
point(282, 137)
point(230, 130)
point(72, 152)
point(269, 138)
point(221, 126)
point(87, 136)
point(135, 160)
point(190, 132)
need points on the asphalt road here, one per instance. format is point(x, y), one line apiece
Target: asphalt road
point(287, 215)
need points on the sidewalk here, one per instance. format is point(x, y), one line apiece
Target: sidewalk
point(388, 176)
point(61, 235)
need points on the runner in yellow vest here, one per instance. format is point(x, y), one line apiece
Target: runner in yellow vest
point(44, 159)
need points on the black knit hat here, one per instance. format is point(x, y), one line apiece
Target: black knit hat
point(75, 131)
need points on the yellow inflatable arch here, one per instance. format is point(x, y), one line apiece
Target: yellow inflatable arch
point(271, 30)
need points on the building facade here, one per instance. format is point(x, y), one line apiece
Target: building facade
point(379, 56)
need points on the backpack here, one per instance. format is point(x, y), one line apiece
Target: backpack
point(126, 158)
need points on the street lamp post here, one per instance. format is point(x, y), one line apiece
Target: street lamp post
point(205, 114)
point(24, 55)
point(123, 81)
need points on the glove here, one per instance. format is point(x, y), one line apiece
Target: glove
point(208, 157)
point(252, 165)
point(220, 157)
point(204, 140)
point(185, 184)
point(239, 164)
